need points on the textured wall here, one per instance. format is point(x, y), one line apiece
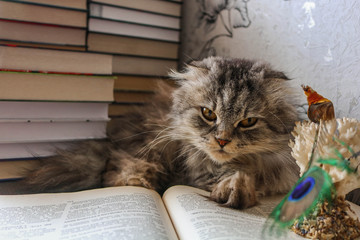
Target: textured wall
point(314, 42)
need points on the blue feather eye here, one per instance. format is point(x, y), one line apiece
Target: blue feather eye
point(302, 189)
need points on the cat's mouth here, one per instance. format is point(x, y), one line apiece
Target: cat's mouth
point(221, 155)
point(221, 151)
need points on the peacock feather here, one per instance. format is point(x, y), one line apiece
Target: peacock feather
point(312, 189)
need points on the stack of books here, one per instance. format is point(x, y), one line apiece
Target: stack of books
point(64, 61)
point(48, 24)
point(143, 36)
point(52, 91)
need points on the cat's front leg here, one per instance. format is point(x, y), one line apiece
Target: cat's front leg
point(133, 172)
point(235, 191)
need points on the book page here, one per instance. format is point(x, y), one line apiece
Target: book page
point(196, 217)
point(108, 213)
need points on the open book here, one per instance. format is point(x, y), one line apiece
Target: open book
point(129, 213)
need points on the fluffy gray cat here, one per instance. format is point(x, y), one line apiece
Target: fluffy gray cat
point(224, 129)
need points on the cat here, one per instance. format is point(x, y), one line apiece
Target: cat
point(225, 129)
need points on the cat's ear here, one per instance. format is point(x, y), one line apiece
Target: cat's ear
point(191, 71)
point(198, 65)
point(269, 73)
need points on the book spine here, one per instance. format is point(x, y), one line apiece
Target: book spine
point(40, 23)
point(50, 5)
point(46, 72)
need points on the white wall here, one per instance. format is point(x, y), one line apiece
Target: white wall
point(314, 42)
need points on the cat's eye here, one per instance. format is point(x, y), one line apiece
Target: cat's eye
point(248, 122)
point(208, 114)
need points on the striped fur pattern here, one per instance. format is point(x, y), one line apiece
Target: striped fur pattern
point(225, 129)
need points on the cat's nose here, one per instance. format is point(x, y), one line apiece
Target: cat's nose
point(222, 142)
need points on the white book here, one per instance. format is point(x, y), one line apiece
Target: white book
point(53, 110)
point(44, 130)
point(135, 16)
point(135, 30)
point(131, 213)
point(156, 6)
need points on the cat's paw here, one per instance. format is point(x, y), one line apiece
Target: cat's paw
point(235, 191)
point(113, 178)
point(133, 173)
point(138, 181)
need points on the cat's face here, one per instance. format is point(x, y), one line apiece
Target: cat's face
point(231, 107)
